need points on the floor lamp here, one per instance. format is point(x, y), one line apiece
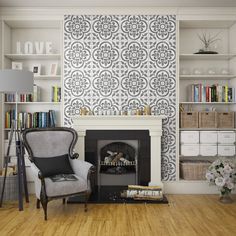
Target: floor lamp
point(16, 81)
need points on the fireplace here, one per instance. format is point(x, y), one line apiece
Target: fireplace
point(134, 147)
point(146, 129)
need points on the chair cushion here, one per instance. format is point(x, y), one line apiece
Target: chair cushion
point(53, 165)
point(62, 188)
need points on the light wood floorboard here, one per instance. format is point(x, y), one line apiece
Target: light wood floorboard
point(186, 215)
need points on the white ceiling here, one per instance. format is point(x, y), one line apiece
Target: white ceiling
point(117, 3)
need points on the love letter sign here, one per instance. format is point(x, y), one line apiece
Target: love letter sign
point(36, 47)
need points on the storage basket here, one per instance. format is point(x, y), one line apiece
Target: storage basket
point(225, 119)
point(189, 119)
point(207, 119)
point(194, 170)
point(11, 188)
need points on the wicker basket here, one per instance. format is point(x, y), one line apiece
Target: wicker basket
point(189, 119)
point(207, 119)
point(194, 170)
point(225, 119)
point(10, 191)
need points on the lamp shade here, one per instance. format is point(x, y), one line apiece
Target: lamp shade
point(19, 81)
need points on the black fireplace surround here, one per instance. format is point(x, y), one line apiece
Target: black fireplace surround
point(91, 149)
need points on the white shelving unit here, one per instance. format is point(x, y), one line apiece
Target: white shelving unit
point(189, 62)
point(22, 31)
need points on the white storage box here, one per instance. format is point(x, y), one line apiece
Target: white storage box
point(189, 149)
point(226, 150)
point(208, 137)
point(208, 150)
point(189, 137)
point(226, 137)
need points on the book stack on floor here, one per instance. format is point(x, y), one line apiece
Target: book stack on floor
point(138, 192)
point(213, 93)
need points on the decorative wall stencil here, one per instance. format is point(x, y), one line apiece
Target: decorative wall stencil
point(121, 62)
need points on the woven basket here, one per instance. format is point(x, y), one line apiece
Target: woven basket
point(193, 170)
point(189, 119)
point(11, 186)
point(225, 119)
point(207, 119)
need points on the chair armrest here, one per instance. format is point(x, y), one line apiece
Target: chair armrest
point(35, 171)
point(81, 168)
point(37, 179)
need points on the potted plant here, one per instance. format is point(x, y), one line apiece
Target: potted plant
point(222, 173)
point(207, 41)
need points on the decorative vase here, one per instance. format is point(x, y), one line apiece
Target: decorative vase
point(225, 197)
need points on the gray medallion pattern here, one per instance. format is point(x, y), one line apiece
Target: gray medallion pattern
point(123, 62)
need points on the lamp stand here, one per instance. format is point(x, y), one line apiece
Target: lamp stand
point(21, 173)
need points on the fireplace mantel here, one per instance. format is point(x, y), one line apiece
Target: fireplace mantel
point(151, 123)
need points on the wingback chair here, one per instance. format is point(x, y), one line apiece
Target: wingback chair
point(51, 153)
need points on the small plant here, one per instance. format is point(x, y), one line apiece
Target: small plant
point(207, 40)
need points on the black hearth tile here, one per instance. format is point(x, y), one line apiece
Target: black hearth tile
point(111, 194)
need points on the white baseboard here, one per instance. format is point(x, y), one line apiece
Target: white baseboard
point(175, 187)
point(190, 187)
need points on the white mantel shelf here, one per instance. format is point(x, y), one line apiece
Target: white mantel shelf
point(151, 123)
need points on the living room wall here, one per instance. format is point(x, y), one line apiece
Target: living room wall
point(114, 63)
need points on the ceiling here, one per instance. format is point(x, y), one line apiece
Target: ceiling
point(117, 3)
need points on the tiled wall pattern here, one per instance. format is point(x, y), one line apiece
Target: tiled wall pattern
point(123, 62)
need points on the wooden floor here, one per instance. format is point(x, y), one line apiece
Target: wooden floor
point(186, 215)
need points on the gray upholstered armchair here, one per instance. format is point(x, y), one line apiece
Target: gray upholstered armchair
point(51, 153)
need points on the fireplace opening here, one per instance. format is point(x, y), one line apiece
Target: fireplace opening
point(117, 162)
point(118, 158)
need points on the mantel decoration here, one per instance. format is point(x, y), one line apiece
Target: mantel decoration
point(222, 173)
point(207, 41)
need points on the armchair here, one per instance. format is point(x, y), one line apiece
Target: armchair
point(51, 153)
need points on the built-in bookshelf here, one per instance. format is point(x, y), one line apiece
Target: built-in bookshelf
point(207, 82)
point(34, 46)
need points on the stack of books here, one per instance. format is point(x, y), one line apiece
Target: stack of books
point(213, 93)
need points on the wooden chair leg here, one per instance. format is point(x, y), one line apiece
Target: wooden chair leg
point(38, 204)
point(44, 203)
point(63, 201)
point(86, 202)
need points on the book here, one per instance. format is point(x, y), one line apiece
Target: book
point(63, 177)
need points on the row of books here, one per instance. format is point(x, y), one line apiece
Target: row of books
point(31, 120)
point(56, 94)
point(213, 93)
point(25, 97)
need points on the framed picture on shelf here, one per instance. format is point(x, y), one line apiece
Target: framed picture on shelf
point(17, 65)
point(36, 69)
point(53, 69)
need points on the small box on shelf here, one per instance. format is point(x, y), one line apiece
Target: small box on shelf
point(189, 119)
point(225, 119)
point(207, 119)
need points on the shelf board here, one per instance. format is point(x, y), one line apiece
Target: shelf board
point(34, 103)
point(207, 56)
point(47, 77)
point(208, 103)
point(33, 56)
point(207, 129)
point(207, 77)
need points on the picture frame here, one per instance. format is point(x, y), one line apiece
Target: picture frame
point(36, 69)
point(53, 69)
point(17, 65)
